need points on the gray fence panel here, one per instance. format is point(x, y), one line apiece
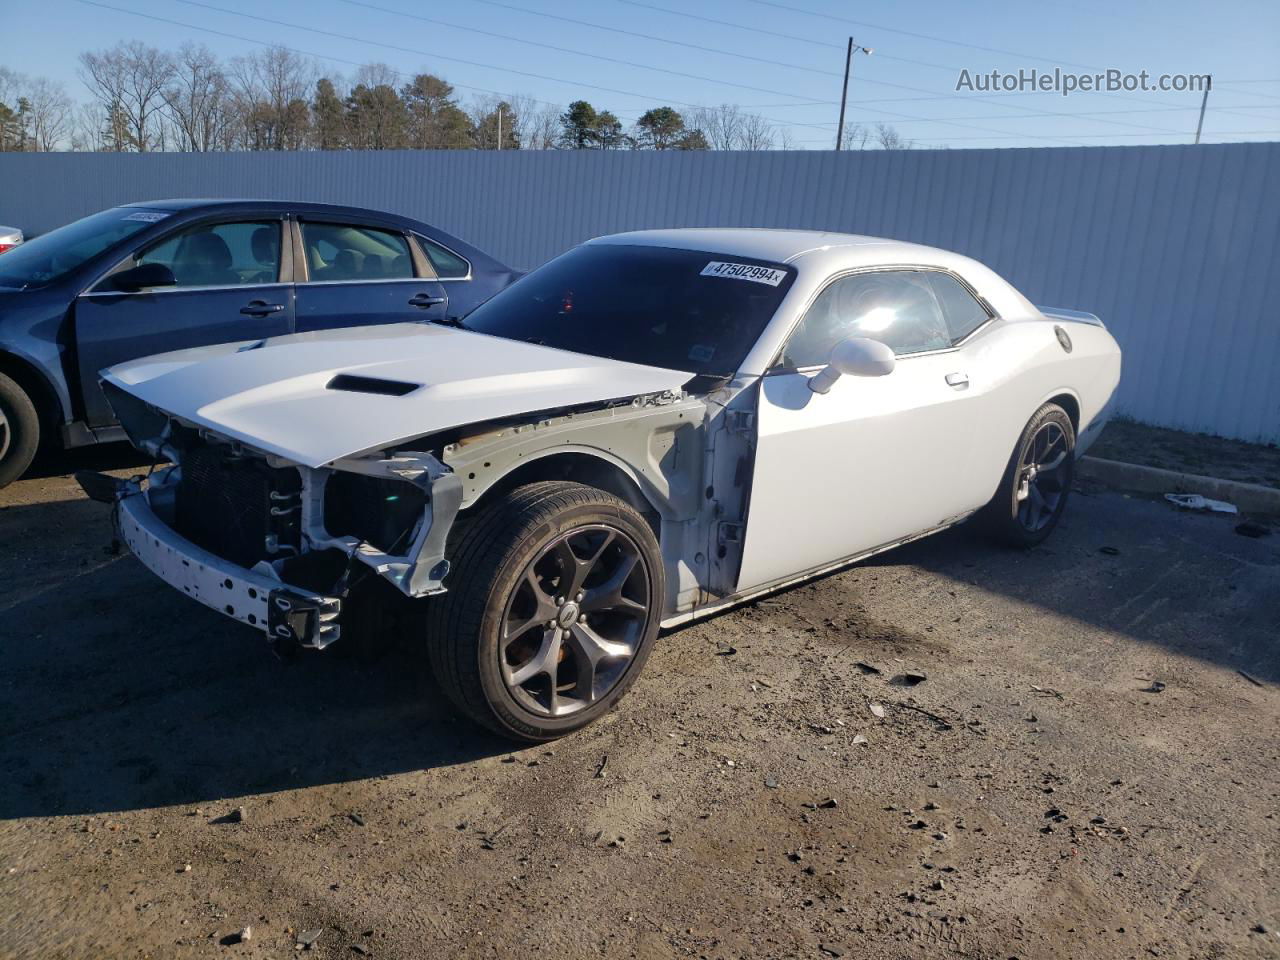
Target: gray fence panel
point(1176, 247)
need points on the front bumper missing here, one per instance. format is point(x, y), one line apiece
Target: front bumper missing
point(289, 616)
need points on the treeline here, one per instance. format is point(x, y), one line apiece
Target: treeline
point(142, 99)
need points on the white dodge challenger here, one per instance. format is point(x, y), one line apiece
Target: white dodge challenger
point(646, 430)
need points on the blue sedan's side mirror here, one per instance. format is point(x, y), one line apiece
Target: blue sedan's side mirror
point(143, 276)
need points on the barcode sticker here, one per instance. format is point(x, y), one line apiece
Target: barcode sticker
point(744, 271)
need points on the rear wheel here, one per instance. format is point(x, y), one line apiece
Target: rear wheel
point(553, 605)
point(1037, 480)
point(19, 431)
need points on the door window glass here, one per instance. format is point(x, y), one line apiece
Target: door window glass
point(449, 266)
point(220, 254)
point(338, 252)
point(963, 313)
point(895, 307)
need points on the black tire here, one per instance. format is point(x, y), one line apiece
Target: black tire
point(1026, 520)
point(19, 431)
point(470, 629)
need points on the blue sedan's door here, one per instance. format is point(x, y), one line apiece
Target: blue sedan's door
point(357, 275)
point(230, 287)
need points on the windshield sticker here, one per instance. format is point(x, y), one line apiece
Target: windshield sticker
point(744, 271)
point(146, 216)
point(702, 352)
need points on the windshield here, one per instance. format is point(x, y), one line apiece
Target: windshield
point(56, 253)
point(678, 309)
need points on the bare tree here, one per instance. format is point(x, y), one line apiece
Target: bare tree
point(729, 127)
point(720, 125)
point(272, 90)
point(198, 100)
point(537, 125)
point(49, 109)
point(856, 136)
point(891, 139)
point(756, 133)
point(376, 75)
point(87, 128)
point(128, 81)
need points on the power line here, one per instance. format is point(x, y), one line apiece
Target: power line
point(269, 44)
point(656, 39)
point(885, 56)
point(775, 35)
point(770, 120)
point(423, 53)
point(919, 36)
point(398, 73)
point(1089, 136)
point(862, 80)
point(896, 115)
point(474, 63)
point(1033, 116)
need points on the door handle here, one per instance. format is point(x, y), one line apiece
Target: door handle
point(957, 380)
point(260, 308)
point(423, 300)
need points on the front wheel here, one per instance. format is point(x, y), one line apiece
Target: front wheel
point(19, 431)
point(1037, 480)
point(553, 605)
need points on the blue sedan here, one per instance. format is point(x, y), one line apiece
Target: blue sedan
point(152, 277)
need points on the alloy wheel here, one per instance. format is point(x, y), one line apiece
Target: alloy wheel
point(1043, 476)
point(574, 621)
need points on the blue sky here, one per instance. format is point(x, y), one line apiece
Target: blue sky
point(781, 59)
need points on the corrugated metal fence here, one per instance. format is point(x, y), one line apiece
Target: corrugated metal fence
point(1177, 248)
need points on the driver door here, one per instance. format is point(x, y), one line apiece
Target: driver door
point(229, 287)
point(873, 461)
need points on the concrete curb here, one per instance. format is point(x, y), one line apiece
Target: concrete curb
point(1248, 497)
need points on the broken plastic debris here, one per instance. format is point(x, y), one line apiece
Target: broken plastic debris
point(1193, 501)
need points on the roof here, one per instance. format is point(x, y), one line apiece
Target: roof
point(252, 203)
point(778, 246)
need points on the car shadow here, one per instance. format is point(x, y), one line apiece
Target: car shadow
point(105, 456)
point(1186, 583)
point(120, 693)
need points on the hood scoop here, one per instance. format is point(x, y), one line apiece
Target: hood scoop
point(351, 383)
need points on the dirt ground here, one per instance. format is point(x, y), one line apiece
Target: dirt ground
point(1198, 453)
point(164, 782)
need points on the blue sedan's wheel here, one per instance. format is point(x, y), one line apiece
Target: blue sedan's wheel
point(19, 431)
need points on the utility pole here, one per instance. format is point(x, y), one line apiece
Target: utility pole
point(844, 91)
point(1203, 103)
point(499, 126)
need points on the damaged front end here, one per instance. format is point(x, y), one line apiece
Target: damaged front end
point(272, 543)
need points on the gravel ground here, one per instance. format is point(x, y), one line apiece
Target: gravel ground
point(165, 783)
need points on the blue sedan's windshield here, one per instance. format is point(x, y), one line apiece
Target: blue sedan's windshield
point(679, 309)
point(56, 253)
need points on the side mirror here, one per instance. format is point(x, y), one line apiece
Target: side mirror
point(143, 276)
point(857, 357)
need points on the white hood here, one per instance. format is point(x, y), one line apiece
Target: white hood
point(276, 396)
